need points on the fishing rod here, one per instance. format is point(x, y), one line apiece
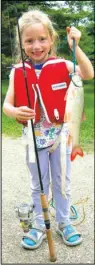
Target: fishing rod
point(44, 202)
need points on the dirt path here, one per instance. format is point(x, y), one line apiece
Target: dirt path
point(16, 189)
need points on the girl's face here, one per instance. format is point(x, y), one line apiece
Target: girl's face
point(36, 42)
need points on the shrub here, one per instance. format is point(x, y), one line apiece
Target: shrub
point(6, 66)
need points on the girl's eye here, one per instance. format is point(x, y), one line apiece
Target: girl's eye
point(42, 38)
point(30, 41)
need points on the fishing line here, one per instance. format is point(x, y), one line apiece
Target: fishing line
point(73, 55)
point(73, 209)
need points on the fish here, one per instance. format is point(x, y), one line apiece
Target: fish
point(74, 112)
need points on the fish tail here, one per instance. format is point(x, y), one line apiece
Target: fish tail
point(77, 150)
point(69, 141)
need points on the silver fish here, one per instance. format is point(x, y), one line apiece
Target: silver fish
point(73, 113)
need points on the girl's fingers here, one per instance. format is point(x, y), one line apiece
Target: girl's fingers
point(21, 113)
point(68, 29)
point(25, 118)
point(26, 109)
point(25, 113)
point(73, 32)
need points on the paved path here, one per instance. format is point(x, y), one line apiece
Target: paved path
point(16, 189)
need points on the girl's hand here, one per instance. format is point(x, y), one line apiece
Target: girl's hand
point(73, 33)
point(24, 113)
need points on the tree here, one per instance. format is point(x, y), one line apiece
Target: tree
point(63, 14)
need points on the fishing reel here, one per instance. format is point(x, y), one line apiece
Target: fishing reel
point(24, 212)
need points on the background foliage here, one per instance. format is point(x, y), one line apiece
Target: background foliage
point(62, 13)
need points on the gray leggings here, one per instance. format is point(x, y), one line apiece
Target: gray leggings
point(50, 166)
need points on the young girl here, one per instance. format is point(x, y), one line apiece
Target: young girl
point(48, 80)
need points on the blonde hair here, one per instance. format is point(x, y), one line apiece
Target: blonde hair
point(29, 18)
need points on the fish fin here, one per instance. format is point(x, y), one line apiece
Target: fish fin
point(65, 98)
point(69, 141)
point(67, 117)
point(77, 150)
point(83, 116)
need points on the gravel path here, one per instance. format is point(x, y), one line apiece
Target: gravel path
point(16, 189)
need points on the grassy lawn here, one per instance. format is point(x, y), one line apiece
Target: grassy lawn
point(87, 127)
point(11, 128)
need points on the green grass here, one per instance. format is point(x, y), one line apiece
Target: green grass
point(87, 127)
point(11, 128)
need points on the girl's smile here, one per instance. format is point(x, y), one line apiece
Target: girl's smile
point(36, 42)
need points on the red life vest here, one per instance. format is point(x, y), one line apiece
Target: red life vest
point(50, 88)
